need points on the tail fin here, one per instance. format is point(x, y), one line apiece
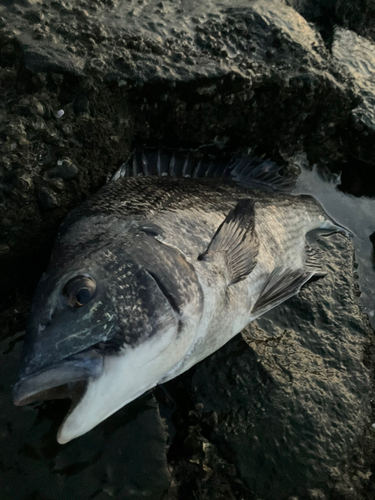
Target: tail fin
point(335, 227)
point(322, 219)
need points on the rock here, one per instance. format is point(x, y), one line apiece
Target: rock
point(48, 57)
point(81, 104)
point(65, 169)
point(47, 197)
point(31, 106)
point(357, 55)
point(278, 412)
point(57, 184)
point(123, 458)
point(357, 16)
point(25, 182)
point(59, 114)
point(4, 249)
point(293, 396)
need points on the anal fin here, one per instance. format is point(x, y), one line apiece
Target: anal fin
point(237, 240)
point(313, 261)
point(280, 286)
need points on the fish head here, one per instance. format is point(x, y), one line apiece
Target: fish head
point(102, 332)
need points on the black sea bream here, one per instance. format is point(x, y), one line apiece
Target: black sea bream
point(156, 272)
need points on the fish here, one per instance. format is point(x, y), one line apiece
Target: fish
point(156, 271)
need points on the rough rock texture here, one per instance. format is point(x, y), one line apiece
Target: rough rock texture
point(278, 413)
point(81, 82)
point(123, 458)
point(357, 16)
point(236, 75)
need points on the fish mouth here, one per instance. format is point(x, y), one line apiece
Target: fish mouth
point(67, 379)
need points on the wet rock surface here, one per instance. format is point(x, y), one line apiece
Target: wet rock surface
point(236, 75)
point(284, 404)
point(326, 14)
point(124, 458)
point(285, 411)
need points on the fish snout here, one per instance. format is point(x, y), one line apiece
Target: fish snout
point(60, 379)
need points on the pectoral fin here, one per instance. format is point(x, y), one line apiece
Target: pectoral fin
point(280, 286)
point(237, 240)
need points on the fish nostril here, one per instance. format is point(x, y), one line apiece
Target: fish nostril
point(45, 323)
point(41, 328)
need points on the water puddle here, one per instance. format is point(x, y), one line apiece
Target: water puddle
point(358, 215)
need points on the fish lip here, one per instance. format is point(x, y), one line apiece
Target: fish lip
point(79, 367)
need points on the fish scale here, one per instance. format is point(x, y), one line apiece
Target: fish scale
point(156, 272)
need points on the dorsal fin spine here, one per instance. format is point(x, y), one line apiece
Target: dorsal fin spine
point(172, 164)
point(186, 164)
point(135, 165)
point(158, 164)
point(251, 172)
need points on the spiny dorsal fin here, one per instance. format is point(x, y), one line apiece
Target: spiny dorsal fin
point(237, 240)
point(257, 173)
point(280, 286)
point(251, 172)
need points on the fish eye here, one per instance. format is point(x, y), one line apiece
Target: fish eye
point(79, 291)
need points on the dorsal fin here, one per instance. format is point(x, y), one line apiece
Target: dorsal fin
point(252, 172)
point(237, 240)
point(258, 173)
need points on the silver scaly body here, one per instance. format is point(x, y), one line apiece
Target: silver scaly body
point(153, 274)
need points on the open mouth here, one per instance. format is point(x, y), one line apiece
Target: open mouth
point(72, 390)
point(67, 379)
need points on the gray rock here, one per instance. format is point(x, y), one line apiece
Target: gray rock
point(81, 104)
point(47, 197)
point(48, 57)
point(293, 398)
point(123, 458)
point(4, 249)
point(280, 412)
point(57, 184)
point(357, 16)
point(65, 169)
point(357, 56)
point(25, 182)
